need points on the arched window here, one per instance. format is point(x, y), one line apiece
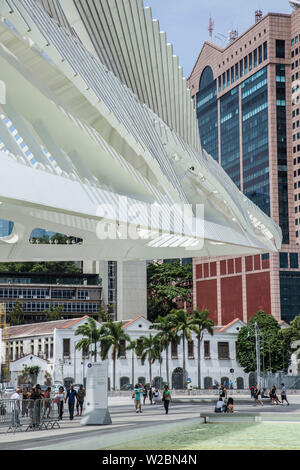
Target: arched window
point(158, 382)
point(124, 381)
point(207, 383)
point(225, 381)
point(141, 380)
point(240, 383)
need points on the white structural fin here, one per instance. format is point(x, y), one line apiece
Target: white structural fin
point(81, 131)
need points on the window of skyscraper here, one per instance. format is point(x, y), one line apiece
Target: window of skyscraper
point(241, 68)
point(265, 46)
point(284, 263)
point(280, 48)
point(236, 71)
point(250, 61)
point(232, 74)
point(246, 64)
point(294, 261)
point(260, 54)
point(255, 58)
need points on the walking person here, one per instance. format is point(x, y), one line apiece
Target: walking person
point(145, 394)
point(283, 394)
point(138, 389)
point(80, 399)
point(256, 394)
point(273, 396)
point(59, 399)
point(71, 395)
point(150, 395)
point(166, 398)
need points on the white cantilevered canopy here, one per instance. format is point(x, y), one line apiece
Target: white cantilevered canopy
point(90, 146)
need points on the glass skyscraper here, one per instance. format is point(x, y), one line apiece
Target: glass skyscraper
point(248, 108)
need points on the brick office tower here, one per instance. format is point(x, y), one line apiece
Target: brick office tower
point(249, 122)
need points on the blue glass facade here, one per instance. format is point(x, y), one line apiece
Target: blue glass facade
point(289, 294)
point(6, 227)
point(207, 112)
point(282, 153)
point(230, 135)
point(255, 139)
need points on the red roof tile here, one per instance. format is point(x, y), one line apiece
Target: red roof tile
point(41, 328)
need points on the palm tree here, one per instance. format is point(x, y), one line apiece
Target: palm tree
point(114, 336)
point(181, 323)
point(201, 323)
point(165, 336)
point(92, 335)
point(148, 348)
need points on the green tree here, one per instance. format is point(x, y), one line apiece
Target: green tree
point(54, 313)
point(166, 282)
point(148, 348)
point(15, 316)
point(200, 324)
point(105, 313)
point(113, 337)
point(41, 267)
point(92, 335)
point(182, 323)
point(165, 337)
point(273, 355)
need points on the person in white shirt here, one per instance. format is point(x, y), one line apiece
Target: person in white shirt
point(156, 396)
point(59, 399)
point(220, 406)
point(16, 407)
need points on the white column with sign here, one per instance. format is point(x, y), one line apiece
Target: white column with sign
point(96, 410)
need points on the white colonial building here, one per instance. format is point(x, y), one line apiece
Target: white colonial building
point(51, 346)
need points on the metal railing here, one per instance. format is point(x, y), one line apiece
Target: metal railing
point(19, 415)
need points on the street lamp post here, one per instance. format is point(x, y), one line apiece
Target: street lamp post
point(257, 343)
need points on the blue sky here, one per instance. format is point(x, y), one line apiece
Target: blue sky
point(186, 22)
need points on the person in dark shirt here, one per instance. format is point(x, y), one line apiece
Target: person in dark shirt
point(71, 395)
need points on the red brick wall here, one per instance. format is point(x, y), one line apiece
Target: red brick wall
point(232, 299)
point(207, 297)
point(258, 293)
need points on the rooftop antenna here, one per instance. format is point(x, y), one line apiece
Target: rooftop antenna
point(211, 27)
point(233, 35)
point(258, 15)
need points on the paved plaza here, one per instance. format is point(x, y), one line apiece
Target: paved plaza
point(127, 426)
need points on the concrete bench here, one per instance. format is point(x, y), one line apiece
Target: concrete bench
point(240, 417)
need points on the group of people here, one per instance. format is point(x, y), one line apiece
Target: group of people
point(224, 404)
point(71, 396)
point(153, 394)
point(33, 402)
point(255, 393)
